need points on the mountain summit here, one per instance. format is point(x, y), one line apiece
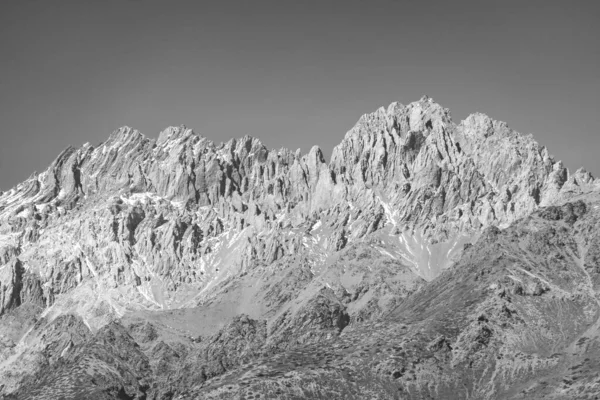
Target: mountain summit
point(427, 259)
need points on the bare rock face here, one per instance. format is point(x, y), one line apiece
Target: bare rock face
point(157, 247)
point(10, 295)
point(441, 181)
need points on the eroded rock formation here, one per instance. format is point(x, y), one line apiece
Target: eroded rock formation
point(196, 259)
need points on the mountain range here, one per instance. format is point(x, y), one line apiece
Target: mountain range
point(426, 260)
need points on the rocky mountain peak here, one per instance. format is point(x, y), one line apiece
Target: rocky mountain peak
point(134, 241)
point(175, 133)
point(412, 165)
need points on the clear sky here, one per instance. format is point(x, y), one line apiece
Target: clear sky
point(292, 73)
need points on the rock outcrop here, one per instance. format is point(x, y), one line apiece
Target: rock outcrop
point(155, 248)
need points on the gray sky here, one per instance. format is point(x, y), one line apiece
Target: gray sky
point(292, 73)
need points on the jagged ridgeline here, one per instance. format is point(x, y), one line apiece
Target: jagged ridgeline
point(427, 259)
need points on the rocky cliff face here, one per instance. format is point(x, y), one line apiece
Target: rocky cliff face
point(158, 246)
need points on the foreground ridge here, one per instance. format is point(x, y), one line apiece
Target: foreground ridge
point(427, 259)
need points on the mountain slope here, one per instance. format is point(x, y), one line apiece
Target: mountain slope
point(169, 241)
